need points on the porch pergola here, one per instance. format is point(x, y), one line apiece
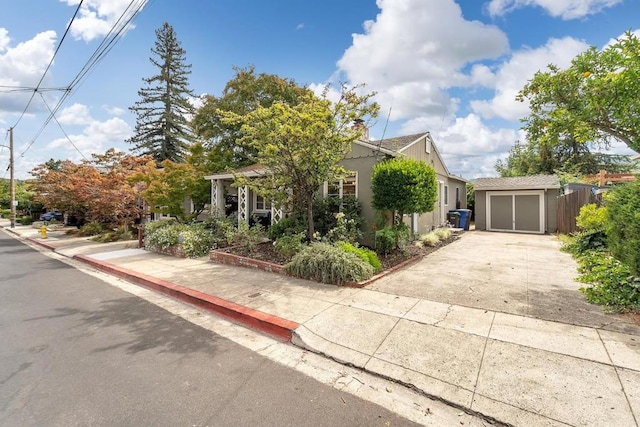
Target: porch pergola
point(218, 182)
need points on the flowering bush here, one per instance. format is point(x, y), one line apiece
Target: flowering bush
point(345, 230)
point(195, 239)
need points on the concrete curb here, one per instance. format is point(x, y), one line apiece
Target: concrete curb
point(263, 322)
point(41, 243)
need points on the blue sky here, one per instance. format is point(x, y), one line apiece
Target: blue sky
point(444, 66)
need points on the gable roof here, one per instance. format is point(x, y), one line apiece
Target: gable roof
point(399, 143)
point(533, 182)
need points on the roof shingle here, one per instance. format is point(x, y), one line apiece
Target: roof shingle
point(533, 182)
point(398, 143)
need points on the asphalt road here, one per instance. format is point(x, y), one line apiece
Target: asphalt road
point(77, 351)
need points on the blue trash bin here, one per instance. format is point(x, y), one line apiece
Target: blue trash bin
point(465, 218)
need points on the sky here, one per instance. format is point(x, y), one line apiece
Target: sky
point(452, 68)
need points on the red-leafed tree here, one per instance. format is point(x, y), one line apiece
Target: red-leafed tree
point(95, 190)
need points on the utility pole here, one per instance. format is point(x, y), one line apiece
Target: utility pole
point(12, 181)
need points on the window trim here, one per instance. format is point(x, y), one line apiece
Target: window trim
point(264, 202)
point(446, 195)
point(340, 183)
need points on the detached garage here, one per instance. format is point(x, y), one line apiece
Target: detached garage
point(526, 204)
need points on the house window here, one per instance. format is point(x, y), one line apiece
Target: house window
point(446, 194)
point(345, 187)
point(457, 195)
point(260, 204)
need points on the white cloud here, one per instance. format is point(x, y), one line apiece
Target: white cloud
point(565, 9)
point(77, 114)
point(470, 148)
point(23, 65)
point(97, 17)
point(299, 26)
point(514, 73)
point(96, 135)
point(114, 111)
point(414, 51)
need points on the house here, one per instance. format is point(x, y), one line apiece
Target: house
point(524, 204)
point(359, 162)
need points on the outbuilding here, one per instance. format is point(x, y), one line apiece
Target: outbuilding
point(524, 204)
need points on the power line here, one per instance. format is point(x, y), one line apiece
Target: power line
point(104, 48)
point(61, 128)
point(49, 65)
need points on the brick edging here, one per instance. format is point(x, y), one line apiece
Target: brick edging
point(267, 323)
point(239, 261)
point(226, 258)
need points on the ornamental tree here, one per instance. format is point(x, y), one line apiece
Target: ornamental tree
point(167, 188)
point(403, 186)
point(301, 145)
point(96, 190)
point(594, 100)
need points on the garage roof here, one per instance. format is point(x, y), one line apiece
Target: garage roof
point(534, 182)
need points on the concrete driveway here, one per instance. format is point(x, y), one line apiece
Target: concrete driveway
point(513, 273)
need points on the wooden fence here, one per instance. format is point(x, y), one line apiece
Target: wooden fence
point(569, 207)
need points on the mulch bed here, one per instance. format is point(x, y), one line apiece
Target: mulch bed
point(266, 252)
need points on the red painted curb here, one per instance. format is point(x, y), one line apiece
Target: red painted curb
point(41, 243)
point(267, 323)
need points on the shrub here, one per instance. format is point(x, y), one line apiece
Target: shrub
point(611, 282)
point(345, 230)
point(367, 255)
point(196, 240)
point(287, 246)
point(5, 213)
point(288, 226)
point(219, 228)
point(443, 233)
point(162, 236)
point(430, 239)
point(592, 218)
point(246, 236)
point(623, 224)
point(328, 264)
point(114, 235)
point(25, 220)
point(92, 229)
point(332, 213)
point(385, 240)
point(585, 241)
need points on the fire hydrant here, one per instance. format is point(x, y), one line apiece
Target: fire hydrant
point(43, 231)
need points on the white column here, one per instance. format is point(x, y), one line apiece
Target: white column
point(243, 204)
point(213, 207)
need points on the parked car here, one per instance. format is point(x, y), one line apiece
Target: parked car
point(50, 216)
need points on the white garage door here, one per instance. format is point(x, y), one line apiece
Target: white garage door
point(516, 211)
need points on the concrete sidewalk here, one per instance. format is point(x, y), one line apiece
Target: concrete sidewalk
point(516, 369)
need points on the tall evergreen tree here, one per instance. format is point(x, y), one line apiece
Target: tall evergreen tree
point(162, 125)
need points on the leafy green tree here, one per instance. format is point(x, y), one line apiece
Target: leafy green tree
point(169, 187)
point(594, 100)
point(300, 145)
point(243, 94)
point(403, 185)
point(566, 156)
point(162, 129)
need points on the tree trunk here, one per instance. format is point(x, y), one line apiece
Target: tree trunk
point(310, 227)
